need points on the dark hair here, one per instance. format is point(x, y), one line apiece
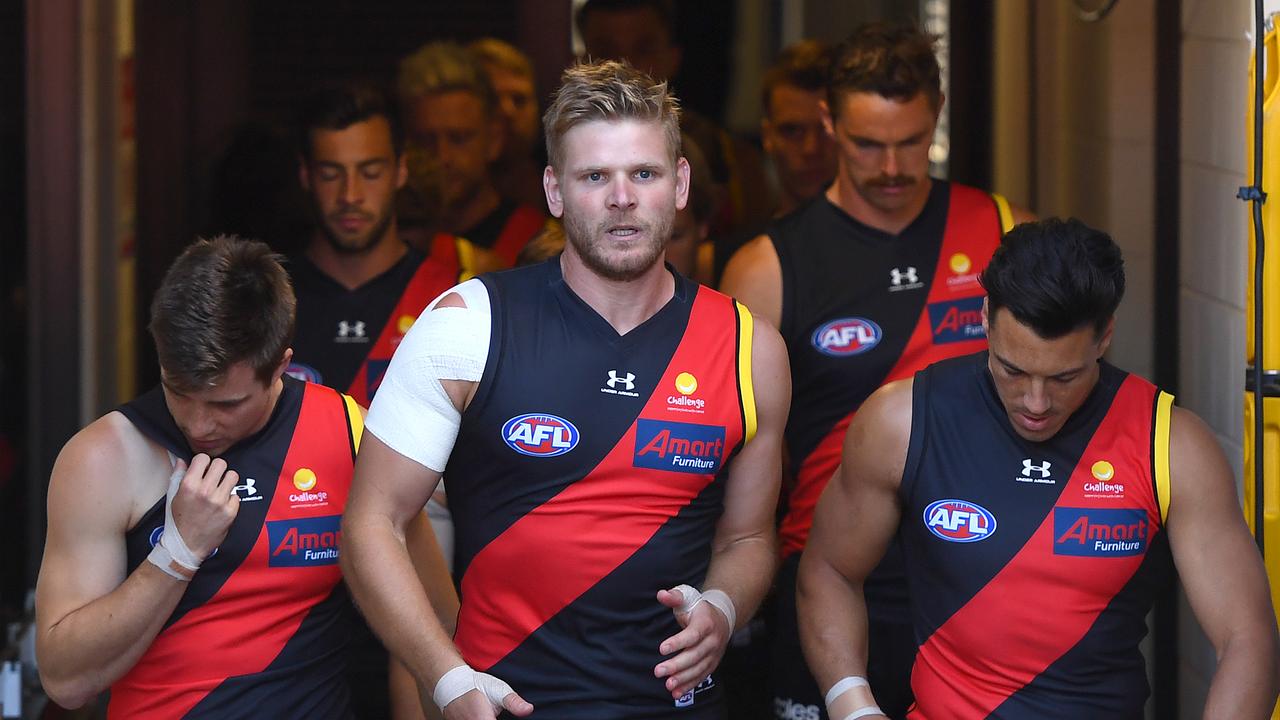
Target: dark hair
point(664, 9)
point(223, 301)
point(1056, 276)
point(338, 107)
point(893, 61)
point(804, 64)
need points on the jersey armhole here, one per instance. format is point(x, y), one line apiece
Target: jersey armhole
point(355, 423)
point(494, 356)
point(1160, 452)
point(1002, 210)
point(919, 435)
point(746, 390)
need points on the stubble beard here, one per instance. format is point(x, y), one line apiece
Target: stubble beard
point(590, 245)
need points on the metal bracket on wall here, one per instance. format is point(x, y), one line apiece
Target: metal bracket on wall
point(1270, 381)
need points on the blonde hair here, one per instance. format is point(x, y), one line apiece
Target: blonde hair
point(441, 67)
point(609, 90)
point(497, 53)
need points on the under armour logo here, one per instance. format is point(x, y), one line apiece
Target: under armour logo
point(247, 491)
point(898, 277)
point(1029, 467)
point(349, 329)
point(628, 382)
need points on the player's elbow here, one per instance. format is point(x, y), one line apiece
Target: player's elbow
point(68, 691)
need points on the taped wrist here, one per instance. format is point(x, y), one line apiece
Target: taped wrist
point(462, 680)
point(838, 704)
point(172, 550)
point(717, 598)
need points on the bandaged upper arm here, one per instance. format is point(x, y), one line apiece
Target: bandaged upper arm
point(411, 411)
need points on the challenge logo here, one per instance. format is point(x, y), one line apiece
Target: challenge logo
point(847, 336)
point(686, 384)
point(540, 435)
point(962, 275)
point(404, 323)
point(305, 481)
point(1102, 486)
point(957, 320)
point(1094, 532)
point(679, 447)
point(308, 542)
point(959, 521)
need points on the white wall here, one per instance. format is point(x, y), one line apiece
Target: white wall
point(1213, 238)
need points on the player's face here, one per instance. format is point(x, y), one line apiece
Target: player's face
point(633, 34)
point(458, 138)
point(617, 192)
point(1042, 382)
point(518, 107)
point(802, 152)
point(236, 406)
point(883, 148)
point(352, 176)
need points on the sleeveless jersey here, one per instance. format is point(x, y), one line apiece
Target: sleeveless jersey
point(861, 308)
point(588, 474)
point(1032, 566)
point(261, 629)
point(504, 232)
point(345, 338)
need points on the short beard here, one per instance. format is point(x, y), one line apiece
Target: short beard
point(590, 248)
point(360, 246)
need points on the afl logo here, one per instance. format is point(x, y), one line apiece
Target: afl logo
point(540, 435)
point(306, 373)
point(155, 536)
point(959, 521)
point(847, 336)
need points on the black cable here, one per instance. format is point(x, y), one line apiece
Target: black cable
point(1256, 197)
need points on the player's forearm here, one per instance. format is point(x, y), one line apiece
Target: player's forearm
point(832, 616)
point(380, 574)
point(1247, 679)
point(90, 648)
point(743, 569)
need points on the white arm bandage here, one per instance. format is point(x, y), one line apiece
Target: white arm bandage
point(411, 412)
point(462, 680)
point(172, 548)
point(719, 599)
point(838, 705)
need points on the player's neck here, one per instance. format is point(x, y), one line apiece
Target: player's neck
point(458, 220)
point(353, 270)
point(843, 195)
point(623, 304)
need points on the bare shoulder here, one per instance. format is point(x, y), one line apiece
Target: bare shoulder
point(754, 276)
point(1197, 464)
point(110, 468)
point(877, 440)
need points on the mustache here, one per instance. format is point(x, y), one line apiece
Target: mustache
point(892, 181)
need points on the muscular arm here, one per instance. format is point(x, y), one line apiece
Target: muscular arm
point(744, 549)
point(852, 525)
point(433, 573)
point(1221, 572)
point(93, 621)
point(754, 277)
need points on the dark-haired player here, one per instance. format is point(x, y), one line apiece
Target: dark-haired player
point(868, 282)
point(1035, 489)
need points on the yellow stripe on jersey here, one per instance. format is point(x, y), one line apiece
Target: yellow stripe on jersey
point(466, 259)
point(354, 420)
point(1164, 409)
point(1002, 209)
point(746, 391)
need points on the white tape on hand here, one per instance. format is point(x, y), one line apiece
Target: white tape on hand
point(843, 686)
point(462, 680)
point(717, 598)
point(172, 548)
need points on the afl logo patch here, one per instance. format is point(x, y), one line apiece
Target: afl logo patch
point(959, 521)
point(306, 373)
point(155, 536)
point(540, 435)
point(847, 336)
